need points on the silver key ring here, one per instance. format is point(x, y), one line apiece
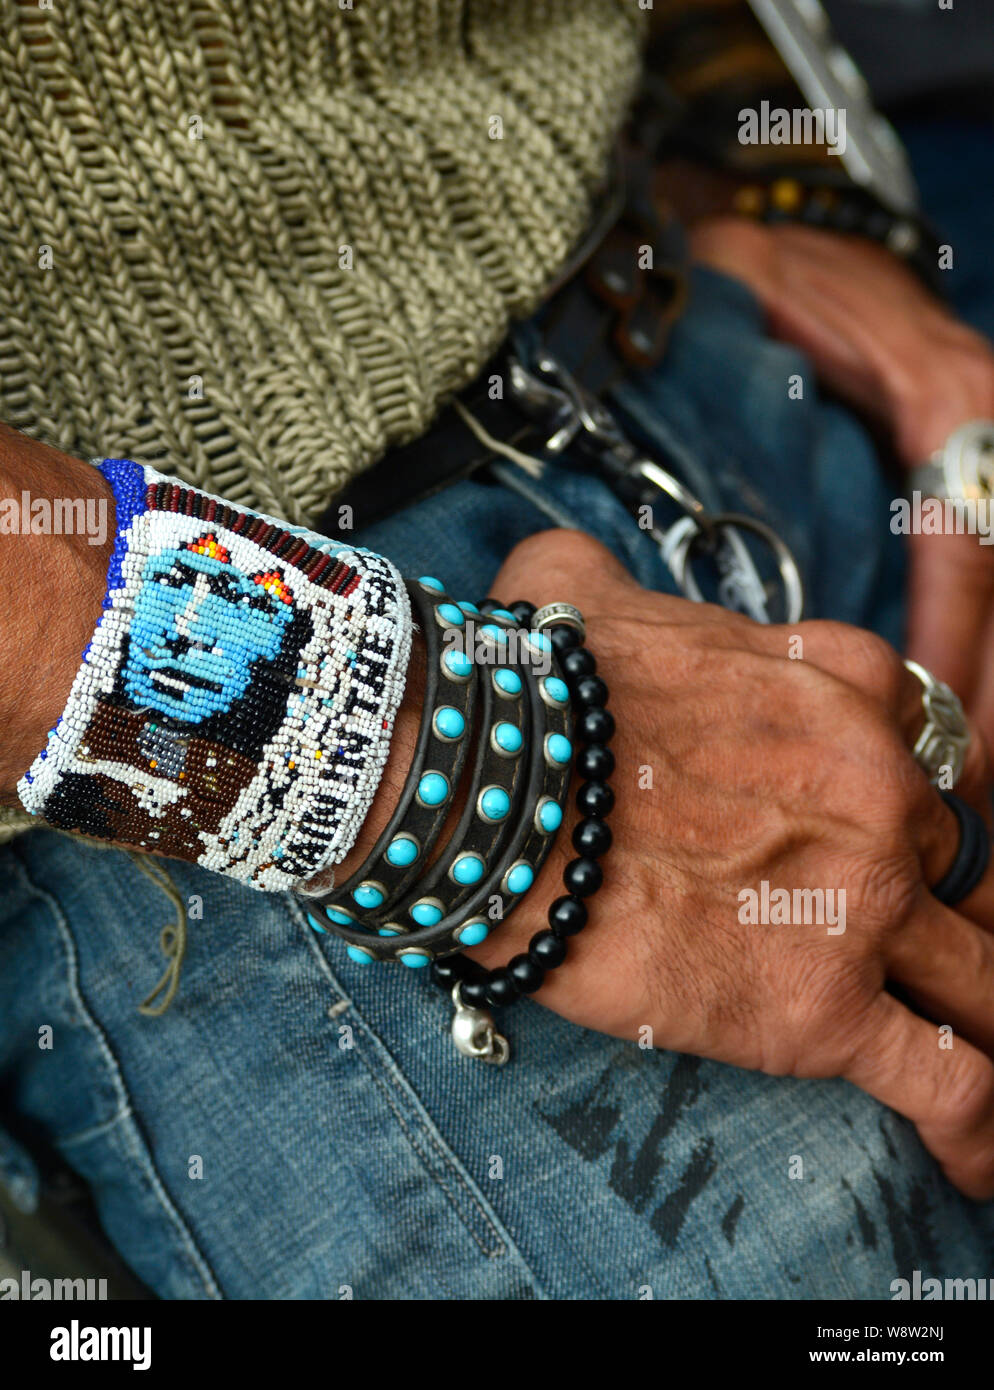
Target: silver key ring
point(790, 576)
point(675, 490)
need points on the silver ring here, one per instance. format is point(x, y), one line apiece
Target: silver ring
point(559, 615)
point(790, 575)
point(944, 741)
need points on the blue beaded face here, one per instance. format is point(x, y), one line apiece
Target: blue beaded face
point(199, 624)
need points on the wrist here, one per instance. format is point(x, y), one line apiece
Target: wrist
point(960, 388)
point(55, 544)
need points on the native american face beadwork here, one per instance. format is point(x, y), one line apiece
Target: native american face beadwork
point(199, 627)
point(236, 701)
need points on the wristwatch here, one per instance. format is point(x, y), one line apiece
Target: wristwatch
point(962, 468)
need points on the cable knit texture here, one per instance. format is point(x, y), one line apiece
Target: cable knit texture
point(257, 241)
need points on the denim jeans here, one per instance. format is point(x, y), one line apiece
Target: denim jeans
point(296, 1125)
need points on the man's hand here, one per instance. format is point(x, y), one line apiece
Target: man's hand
point(881, 342)
point(737, 765)
point(875, 334)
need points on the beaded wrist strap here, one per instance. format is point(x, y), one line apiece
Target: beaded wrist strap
point(235, 704)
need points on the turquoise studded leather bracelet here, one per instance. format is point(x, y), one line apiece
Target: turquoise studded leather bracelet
point(514, 806)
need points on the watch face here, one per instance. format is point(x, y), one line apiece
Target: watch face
point(968, 461)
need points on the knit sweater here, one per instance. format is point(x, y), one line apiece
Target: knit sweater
point(256, 242)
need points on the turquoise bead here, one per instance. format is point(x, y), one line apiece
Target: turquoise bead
point(415, 962)
point(433, 789)
point(360, 956)
point(474, 933)
point(495, 633)
point(387, 931)
point(494, 803)
point(520, 878)
point(508, 682)
point(449, 722)
point(556, 689)
point(402, 851)
point(336, 915)
point(450, 614)
point(468, 868)
point(457, 663)
point(508, 737)
point(367, 896)
point(559, 748)
point(316, 925)
point(430, 582)
point(539, 640)
point(503, 613)
point(550, 816)
point(426, 914)
point(469, 608)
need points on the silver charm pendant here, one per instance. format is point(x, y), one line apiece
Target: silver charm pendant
point(475, 1034)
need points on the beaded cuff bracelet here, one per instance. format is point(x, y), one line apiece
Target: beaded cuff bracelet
point(235, 704)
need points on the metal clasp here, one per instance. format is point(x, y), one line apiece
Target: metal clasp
point(550, 393)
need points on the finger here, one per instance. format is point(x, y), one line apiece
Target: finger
point(950, 592)
point(947, 1093)
point(946, 964)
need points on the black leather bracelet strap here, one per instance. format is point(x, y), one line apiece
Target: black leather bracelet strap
point(477, 839)
point(416, 822)
point(532, 838)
